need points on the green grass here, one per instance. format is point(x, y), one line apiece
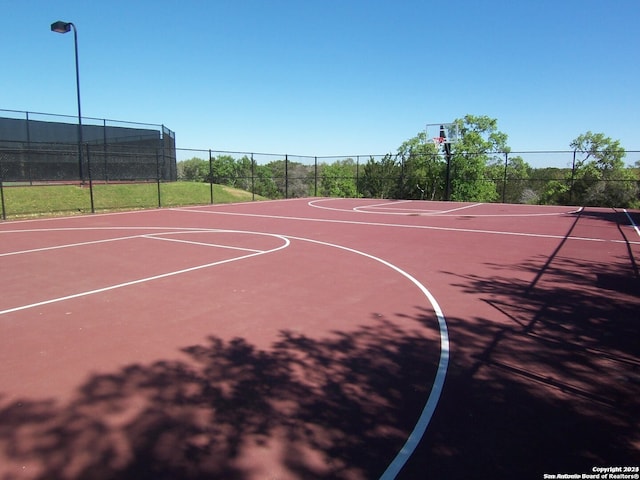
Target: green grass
point(50, 200)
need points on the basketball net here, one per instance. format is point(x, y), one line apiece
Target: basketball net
point(438, 141)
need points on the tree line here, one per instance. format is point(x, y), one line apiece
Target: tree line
point(478, 168)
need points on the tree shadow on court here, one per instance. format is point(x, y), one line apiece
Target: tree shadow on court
point(336, 407)
point(628, 233)
point(549, 383)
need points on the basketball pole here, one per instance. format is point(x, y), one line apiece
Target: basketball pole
point(447, 156)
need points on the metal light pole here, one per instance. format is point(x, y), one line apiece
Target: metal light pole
point(65, 27)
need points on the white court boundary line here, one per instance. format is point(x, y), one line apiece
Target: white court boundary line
point(633, 224)
point(424, 213)
point(254, 253)
point(400, 225)
point(438, 383)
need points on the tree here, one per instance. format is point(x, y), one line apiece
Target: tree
point(510, 176)
point(379, 179)
point(599, 176)
point(243, 173)
point(292, 179)
point(300, 178)
point(339, 179)
point(548, 186)
point(224, 169)
point(422, 169)
point(264, 182)
point(194, 169)
point(480, 138)
point(605, 153)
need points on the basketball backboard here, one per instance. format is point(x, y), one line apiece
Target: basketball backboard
point(443, 133)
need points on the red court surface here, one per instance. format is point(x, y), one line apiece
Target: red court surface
point(320, 339)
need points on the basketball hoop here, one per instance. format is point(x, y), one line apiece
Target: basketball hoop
point(443, 134)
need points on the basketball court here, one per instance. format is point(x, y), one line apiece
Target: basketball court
point(320, 338)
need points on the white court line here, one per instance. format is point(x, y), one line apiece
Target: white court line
point(635, 227)
point(384, 204)
point(438, 383)
point(436, 389)
point(167, 231)
point(413, 212)
point(204, 244)
point(285, 244)
point(314, 204)
point(381, 206)
point(394, 468)
point(67, 245)
point(81, 229)
point(400, 225)
point(459, 208)
point(117, 239)
point(434, 213)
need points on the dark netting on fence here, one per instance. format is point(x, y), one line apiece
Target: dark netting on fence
point(50, 162)
point(36, 150)
point(40, 163)
point(128, 163)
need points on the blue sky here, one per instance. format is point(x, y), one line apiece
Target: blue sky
point(331, 77)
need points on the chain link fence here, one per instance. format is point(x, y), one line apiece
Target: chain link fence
point(61, 178)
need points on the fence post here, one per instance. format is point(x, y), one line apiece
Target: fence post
point(4, 212)
point(286, 176)
point(28, 131)
point(504, 178)
point(357, 176)
point(573, 173)
point(164, 159)
point(104, 150)
point(210, 176)
point(315, 182)
point(93, 210)
point(28, 156)
point(253, 179)
point(158, 177)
